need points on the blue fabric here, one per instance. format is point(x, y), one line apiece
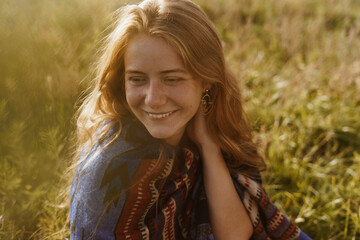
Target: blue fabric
point(97, 196)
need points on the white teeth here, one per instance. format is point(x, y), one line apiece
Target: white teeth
point(152, 115)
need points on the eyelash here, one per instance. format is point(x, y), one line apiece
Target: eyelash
point(174, 79)
point(138, 80)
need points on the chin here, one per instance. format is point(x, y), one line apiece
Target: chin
point(160, 135)
point(166, 135)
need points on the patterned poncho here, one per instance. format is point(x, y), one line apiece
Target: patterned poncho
point(128, 191)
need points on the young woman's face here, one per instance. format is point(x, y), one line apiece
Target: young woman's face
point(160, 92)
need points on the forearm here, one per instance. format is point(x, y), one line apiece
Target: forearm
point(228, 215)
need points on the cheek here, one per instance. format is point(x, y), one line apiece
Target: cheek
point(196, 101)
point(191, 99)
point(132, 96)
point(131, 99)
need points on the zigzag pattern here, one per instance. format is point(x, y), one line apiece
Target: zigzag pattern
point(140, 200)
point(154, 191)
point(278, 226)
point(144, 195)
point(169, 213)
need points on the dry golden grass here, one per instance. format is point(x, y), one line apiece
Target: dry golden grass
point(299, 66)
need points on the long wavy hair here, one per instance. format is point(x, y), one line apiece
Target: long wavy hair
point(193, 36)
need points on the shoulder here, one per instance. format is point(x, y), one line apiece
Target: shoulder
point(110, 161)
point(102, 177)
point(111, 153)
point(100, 153)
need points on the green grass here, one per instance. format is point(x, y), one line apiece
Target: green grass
point(299, 65)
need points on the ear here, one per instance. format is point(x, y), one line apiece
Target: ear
point(206, 86)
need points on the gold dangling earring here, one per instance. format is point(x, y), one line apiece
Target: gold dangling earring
point(206, 102)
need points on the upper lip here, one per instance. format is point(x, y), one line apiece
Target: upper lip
point(160, 112)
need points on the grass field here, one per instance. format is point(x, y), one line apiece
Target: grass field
point(299, 66)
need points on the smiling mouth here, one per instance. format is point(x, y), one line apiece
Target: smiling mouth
point(160, 115)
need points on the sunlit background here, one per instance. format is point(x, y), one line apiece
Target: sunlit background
point(299, 66)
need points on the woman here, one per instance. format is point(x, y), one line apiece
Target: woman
point(165, 150)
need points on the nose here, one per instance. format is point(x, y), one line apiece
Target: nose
point(155, 95)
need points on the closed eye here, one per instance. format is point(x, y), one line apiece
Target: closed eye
point(137, 80)
point(173, 79)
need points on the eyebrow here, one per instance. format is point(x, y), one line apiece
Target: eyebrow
point(174, 70)
point(162, 72)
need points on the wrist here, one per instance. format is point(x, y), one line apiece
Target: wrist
point(210, 151)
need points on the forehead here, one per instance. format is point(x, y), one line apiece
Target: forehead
point(144, 51)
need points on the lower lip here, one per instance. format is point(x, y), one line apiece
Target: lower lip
point(162, 118)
